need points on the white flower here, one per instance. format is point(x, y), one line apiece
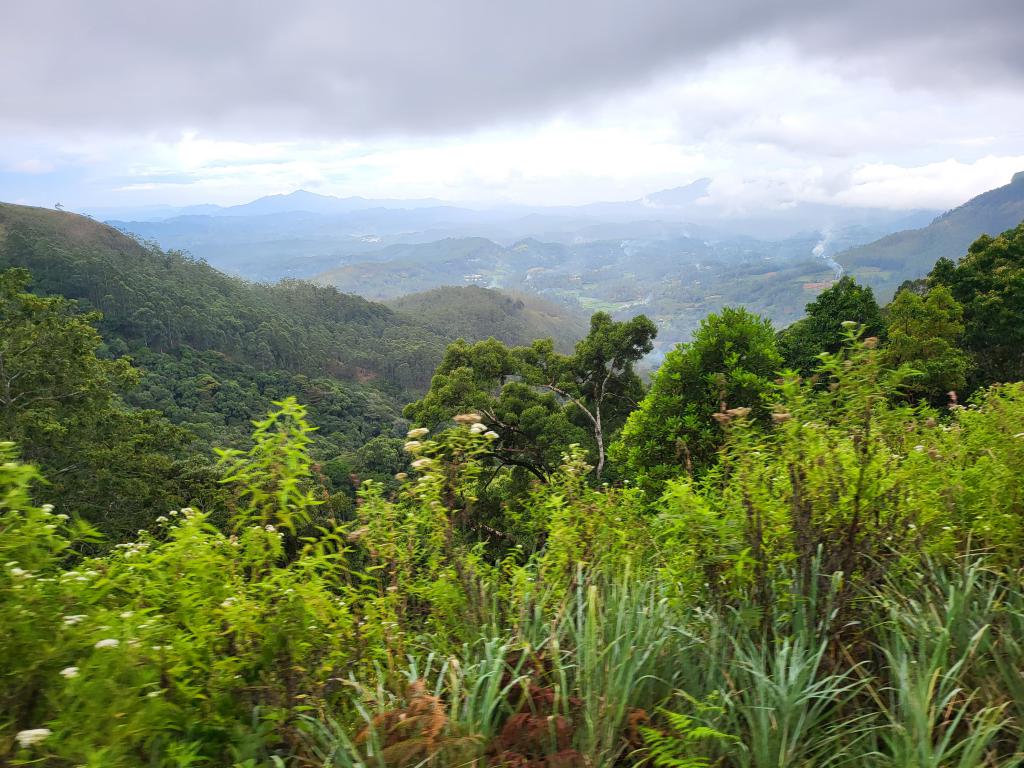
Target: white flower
point(919, 448)
point(413, 446)
point(421, 463)
point(228, 601)
point(417, 433)
point(32, 736)
point(75, 619)
point(126, 614)
point(466, 418)
point(478, 428)
point(173, 513)
point(162, 519)
point(108, 643)
point(270, 528)
point(491, 435)
point(47, 507)
point(19, 572)
point(62, 517)
point(69, 672)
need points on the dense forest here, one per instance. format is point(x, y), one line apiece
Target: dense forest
point(791, 547)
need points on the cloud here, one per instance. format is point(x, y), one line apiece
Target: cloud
point(323, 68)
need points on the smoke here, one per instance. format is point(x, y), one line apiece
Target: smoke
point(821, 251)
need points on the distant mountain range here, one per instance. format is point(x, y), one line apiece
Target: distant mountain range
point(671, 254)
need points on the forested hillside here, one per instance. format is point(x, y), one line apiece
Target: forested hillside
point(166, 301)
point(887, 262)
point(474, 313)
point(212, 352)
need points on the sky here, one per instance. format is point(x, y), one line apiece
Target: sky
point(900, 104)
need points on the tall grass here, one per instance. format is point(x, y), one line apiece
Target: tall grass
point(934, 681)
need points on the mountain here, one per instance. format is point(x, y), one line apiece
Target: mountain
point(300, 201)
point(302, 233)
point(678, 196)
point(885, 263)
point(311, 202)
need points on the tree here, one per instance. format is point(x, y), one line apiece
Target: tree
point(50, 377)
point(598, 378)
point(989, 283)
point(822, 329)
point(487, 378)
point(729, 364)
point(59, 403)
point(540, 402)
point(923, 333)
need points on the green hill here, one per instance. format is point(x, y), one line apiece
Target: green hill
point(402, 269)
point(167, 300)
point(476, 313)
point(887, 262)
point(215, 350)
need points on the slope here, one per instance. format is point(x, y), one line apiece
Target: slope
point(475, 313)
point(165, 301)
point(887, 262)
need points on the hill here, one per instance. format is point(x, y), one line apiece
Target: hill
point(167, 300)
point(215, 350)
point(885, 263)
point(475, 313)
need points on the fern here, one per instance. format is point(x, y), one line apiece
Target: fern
point(675, 747)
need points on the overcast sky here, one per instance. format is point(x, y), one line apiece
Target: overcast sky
point(897, 103)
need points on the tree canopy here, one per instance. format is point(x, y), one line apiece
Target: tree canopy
point(989, 284)
point(729, 364)
point(821, 330)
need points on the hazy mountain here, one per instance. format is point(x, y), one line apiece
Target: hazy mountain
point(303, 233)
point(887, 262)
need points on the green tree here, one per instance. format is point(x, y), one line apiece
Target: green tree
point(486, 378)
point(598, 378)
point(59, 403)
point(538, 401)
point(729, 364)
point(989, 283)
point(923, 333)
point(822, 329)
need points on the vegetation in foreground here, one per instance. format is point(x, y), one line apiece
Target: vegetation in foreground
point(807, 570)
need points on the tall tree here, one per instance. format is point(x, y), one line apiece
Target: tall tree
point(822, 329)
point(924, 333)
point(730, 363)
point(599, 377)
point(539, 401)
point(989, 283)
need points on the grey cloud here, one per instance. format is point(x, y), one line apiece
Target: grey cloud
point(261, 68)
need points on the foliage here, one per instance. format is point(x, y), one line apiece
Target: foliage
point(924, 333)
point(729, 364)
point(833, 580)
point(989, 283)
point(538, 401)
point(822, 328)
point(59, 403)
